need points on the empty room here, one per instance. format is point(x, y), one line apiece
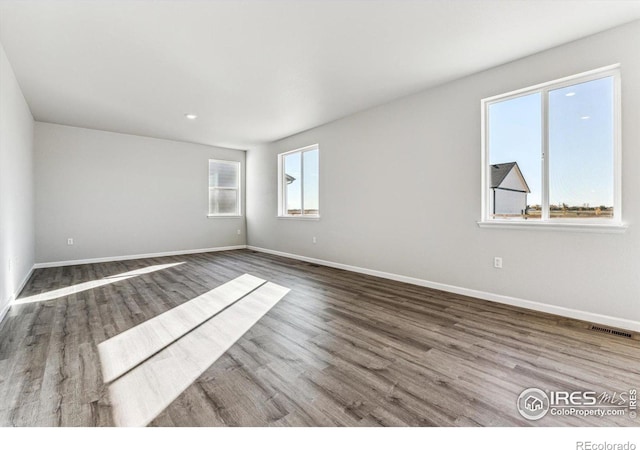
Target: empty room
point(320, 214)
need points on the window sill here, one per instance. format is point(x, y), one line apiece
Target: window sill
point(555, 226)
point(215, 216)
point(300, 217)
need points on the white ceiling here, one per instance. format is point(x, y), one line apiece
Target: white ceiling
point(257, 71)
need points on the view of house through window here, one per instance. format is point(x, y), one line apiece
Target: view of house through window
point(224, 188)
point(551, 152)
point(515, 157)
point(299, 171)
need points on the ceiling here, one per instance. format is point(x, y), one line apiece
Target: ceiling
point(257, 71)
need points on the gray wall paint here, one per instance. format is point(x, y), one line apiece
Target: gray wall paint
point(119, 195)
point(16, 185)
point(400, 192)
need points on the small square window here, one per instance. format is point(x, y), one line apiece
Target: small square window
point(224, 188)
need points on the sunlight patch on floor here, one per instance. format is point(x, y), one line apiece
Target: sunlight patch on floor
point(123, 352)
point(153, 363)
point(87, 285)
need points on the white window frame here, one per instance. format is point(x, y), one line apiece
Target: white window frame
point(238, 188)
point(614, 224)
point(282, 183)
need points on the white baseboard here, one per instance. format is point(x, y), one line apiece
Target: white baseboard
point(6, 308)
point(13, 297)
point(24, 282)
point(611, 321)
point(142, 256)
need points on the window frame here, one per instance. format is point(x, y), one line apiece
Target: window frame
point(546, 222)
point(282, 190)
point(238, 189)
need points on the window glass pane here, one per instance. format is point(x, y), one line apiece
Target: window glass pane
point(293, 186)
point(223, 174)
point(515, 157)
point(581, 150)
point(310, 160)
point(223, 201)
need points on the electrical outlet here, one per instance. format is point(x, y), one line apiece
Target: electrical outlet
point(239, 232)
point(497, 262)
point(70, 241)
point(314, 240)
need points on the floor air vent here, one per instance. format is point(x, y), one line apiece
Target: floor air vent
point(610, 331)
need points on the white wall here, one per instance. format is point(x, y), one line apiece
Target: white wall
point(400, 193)
point(16, 186)
point(118, 195)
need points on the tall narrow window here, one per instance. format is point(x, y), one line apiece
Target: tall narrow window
point(299, 172)
point(551, 152)
point(581, 144)
point(515, 164)
point(224, 188)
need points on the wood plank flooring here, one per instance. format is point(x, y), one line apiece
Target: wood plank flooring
point(341, 349)
point(125, 351)
point(141, 394)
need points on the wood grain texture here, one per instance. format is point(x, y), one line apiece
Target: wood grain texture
point(141, 394)
point(123, 352)
point(341, 349)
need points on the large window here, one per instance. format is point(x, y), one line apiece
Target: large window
point(224, 188)
point(298, 187)
point(551, 152)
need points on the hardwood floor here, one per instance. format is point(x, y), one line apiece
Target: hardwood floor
point(340, 349)
point(144, 392)
point(127, 350)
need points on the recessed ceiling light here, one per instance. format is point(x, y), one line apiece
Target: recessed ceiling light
point(191, 116)
point(585, 117)
point(570, 94)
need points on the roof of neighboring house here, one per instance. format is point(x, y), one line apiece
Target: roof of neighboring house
point(500, 171)
point(290, 179)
